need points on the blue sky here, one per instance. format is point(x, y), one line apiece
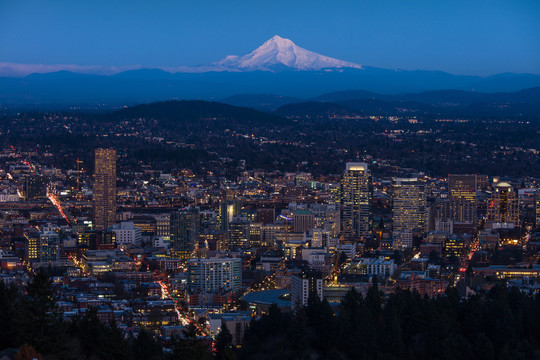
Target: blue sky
point(463, 37)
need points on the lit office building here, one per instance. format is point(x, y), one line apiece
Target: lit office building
point(214, 275)
point(49, 247)
point(266, 216)
point(303, 220)
point(503, 208)
point(255, 234)
point(227, 211)
point(356, 200)
point(462, 194)
point(239, 233)
point(43, 247)
point(303, 285)
point(35, 187)
point(537, 207)
point(105, 188)
point(409, 211)
point(163, 225)
point(184, 226)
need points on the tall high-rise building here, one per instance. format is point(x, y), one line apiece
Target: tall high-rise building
point(208, 220)
point(503, 208)
point(104, 188)
point(238, 233)
point(163, 225)
point(266, 216)
point(303, 220)
point(334, 193)
point(304, 285)
point(32, 247)
point(255, 234)
point(462, 194)
point(127, 234)
point(537, 208)
point(103, 240)
point(43, 247)
point(184, 232)
point(356, 201)
point(326, 216)
point(214, 275)
point(228, 209)
point(213, 239)
point(35, 186)
point(320, 238)
point(49, 246)
point(408, 210)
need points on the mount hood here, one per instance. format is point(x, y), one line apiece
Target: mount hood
point(278, 54)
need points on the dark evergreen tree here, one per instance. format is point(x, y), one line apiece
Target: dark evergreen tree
point(300, 334)
point(483, 348)
point(38, 318)
point(146, 348)
point(223, 344)
point(10, 335)
point(268, 335)
point(374, 299)
point(96, 339)
point(190, 349)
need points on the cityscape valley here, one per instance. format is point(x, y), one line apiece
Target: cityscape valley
point(260, 208)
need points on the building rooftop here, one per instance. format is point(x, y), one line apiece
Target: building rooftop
point(269, 297)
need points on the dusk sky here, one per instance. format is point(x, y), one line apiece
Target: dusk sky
point(463, 37)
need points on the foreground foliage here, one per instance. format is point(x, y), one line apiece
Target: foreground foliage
point(502, 324)
point(32, 323)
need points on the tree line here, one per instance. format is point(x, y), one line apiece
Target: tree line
point(500, 324)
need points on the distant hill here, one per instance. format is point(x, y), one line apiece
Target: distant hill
point(438, 97)
point(523, 103)
point(338, 96)
point(314, 110)
point(381, 107)
point(144, 85)
point(264, 102)
point(179, 114)
point(353, 107)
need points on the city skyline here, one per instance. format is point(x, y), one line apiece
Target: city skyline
point(269, 180)
point(231, 222)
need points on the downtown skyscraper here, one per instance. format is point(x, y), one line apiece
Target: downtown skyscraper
point(356, 201)
point(408, 211)
point(503, 208)
point(104, 188)
point(183, 231)
point(462, 194)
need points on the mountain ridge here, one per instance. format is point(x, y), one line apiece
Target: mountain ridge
point(519, 104)
point(277, 67)
point(173, 114)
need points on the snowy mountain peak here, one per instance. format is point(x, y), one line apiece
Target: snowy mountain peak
point(278, 41)
point(279, 53)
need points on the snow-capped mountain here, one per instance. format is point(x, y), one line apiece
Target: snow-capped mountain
point(280, 54)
